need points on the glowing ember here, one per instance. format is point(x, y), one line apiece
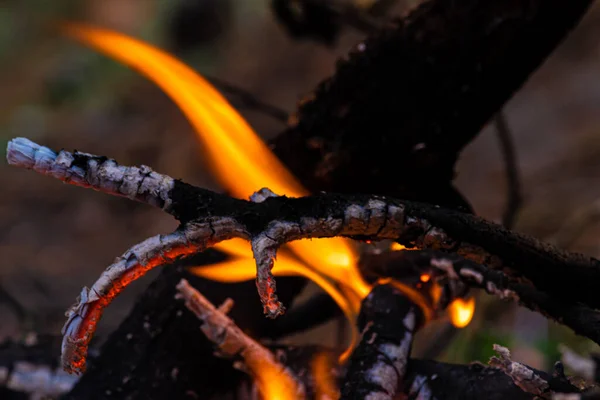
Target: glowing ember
point(397, 247)
point(461, 312)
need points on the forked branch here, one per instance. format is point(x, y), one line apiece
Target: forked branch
point(269, 222)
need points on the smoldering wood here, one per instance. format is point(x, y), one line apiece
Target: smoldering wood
point(423, 89)
point(388, 321)
point(582, 319)
point(208, 217)
point(551, 268)
point(424, 378)
point(231, 341)
point(160, 349)
point(108, 376)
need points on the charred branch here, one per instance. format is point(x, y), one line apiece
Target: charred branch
point(159, 346)
point(423, 379)
point(209, 217)
point(430, 380)
point(424, 88)
point(377, 367)
point(582, 319)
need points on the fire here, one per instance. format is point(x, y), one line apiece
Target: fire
point(461, 312)
point(243, 163)
point(325, 387)
point(272, 383)
point(242, 268)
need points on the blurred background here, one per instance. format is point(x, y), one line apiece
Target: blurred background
point(55, 238)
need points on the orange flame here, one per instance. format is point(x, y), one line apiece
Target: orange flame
point(242, 163)
point(239, 159)
point(461, 312)
point(272, 382)
point(242, 268)
point(325, 387)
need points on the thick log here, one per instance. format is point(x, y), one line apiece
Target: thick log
point(396, 114)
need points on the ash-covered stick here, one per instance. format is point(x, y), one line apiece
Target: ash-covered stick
point(277, 220)
point(522, 375)
point(84, 315)
point(274, 221)
point(89, 171)
point(231, 341)
point(376, 368)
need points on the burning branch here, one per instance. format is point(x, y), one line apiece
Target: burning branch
point(461, 272)
point(208, 218)
point(272, 377)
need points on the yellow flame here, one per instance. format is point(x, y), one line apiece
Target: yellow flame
point(272, 382)
point(243, 268)
point(400, 247)
point(242, 163)
point(240, 160)
point(325, 387)
point(461, 312)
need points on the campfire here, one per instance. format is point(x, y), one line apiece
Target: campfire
point(241, 162)
point(391, 266)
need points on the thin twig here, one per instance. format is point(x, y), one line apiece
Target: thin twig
point(231, 341)
point(511, 167)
